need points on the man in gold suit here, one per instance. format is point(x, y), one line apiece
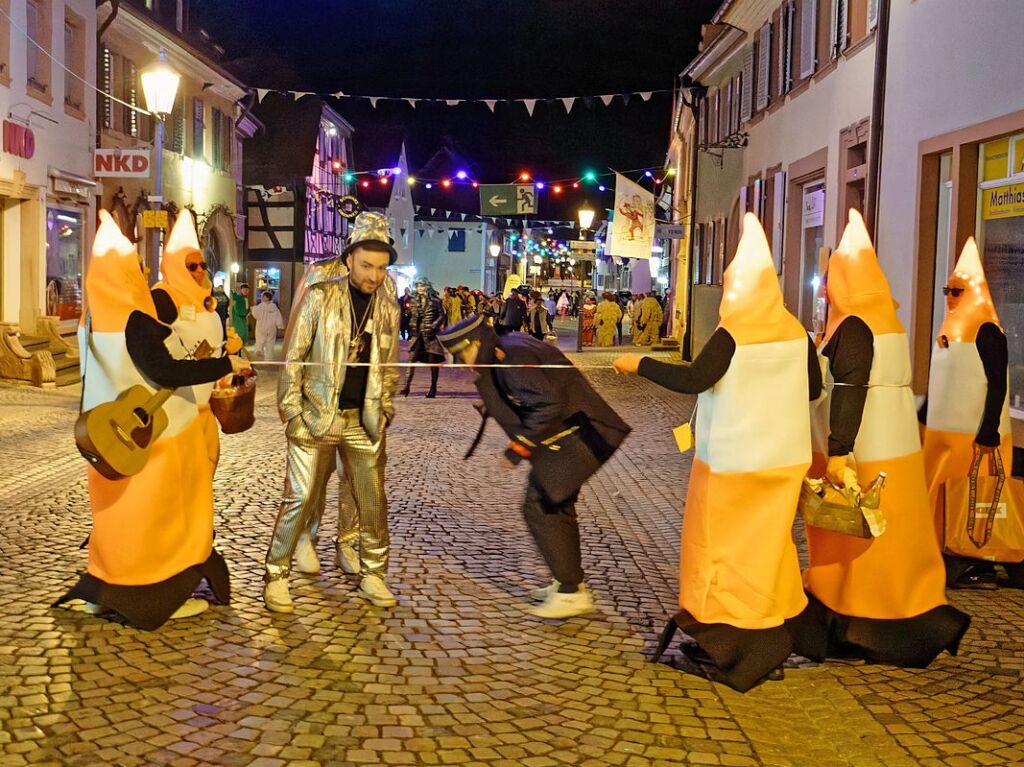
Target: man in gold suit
point(334, 409)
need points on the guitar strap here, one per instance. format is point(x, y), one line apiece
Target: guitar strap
point(85, 362)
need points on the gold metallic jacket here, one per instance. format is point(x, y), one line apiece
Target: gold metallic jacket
point(320, 331)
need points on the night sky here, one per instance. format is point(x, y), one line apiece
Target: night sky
point(479, 49)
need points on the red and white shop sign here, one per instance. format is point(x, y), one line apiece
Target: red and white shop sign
point(19, 140)
point(121, 163)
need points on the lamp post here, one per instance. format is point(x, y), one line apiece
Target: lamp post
point(495, 250)
point(586, 219)
point(160, 86)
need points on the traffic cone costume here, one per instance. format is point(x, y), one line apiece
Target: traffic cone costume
point(881, 599)
point(739, 577)
point(968, 375)
point(152, 536)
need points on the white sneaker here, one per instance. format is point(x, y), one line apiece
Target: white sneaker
point(539, 595)
point(347, 559)
point(276, 596)
point(189, 608)
point(559, 605)
point(306, 560)
point(373, 588)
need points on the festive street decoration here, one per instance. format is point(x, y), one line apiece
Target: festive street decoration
point(633, 228)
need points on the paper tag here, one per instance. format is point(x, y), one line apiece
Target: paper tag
point(188, 312)
point(684, 437)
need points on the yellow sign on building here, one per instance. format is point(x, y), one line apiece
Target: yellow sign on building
point(1002, 202)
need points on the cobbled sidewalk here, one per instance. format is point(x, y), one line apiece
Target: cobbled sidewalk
point(457, 673)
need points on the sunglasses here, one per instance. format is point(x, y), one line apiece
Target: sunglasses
point(193, 267)
point(955, 292)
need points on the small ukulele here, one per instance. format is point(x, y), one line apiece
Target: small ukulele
point(116, 437)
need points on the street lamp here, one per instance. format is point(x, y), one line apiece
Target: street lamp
point(495, 249)
point(586, 217)
point(160, 86)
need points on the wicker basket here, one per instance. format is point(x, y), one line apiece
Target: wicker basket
point(234, 404)
point(845, 517)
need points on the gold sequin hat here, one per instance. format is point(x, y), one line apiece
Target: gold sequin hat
point(371, 227)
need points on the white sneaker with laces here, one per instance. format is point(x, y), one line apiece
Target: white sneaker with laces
point(347, 559)
point(276, 596)
point(189, 608)
point(373, 588)
point(559, 605)
point(306, 560)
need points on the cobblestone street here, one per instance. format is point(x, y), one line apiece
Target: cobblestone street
point(457, 673)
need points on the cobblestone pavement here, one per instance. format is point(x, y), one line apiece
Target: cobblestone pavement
point(457, 673)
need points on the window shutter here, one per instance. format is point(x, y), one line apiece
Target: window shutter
point(758, 199)
point(839, 27)
point(786, 49)
point(698, 233)
point(737, 82)
point(747, 106)
point(197, 128)
point(216, 145)
point(764, 65)
point(808, 37)
point(716, 118)
point(778, 206)
point(107, 83)
point(228, 135)
point(727, 129)
point(178, 125)
point(872, 14)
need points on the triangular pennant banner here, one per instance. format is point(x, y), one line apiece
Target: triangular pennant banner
point(463, 216)
point(430, 233)
point(432, 210)
point(261, 94)
point(453, 102)
point(373, 100)
point(420, 232)
point(338, 94)
point(490, 103)
point(607, 99)
point(530, 104)
point(299, 94)
point(625, 98)
point(568, 102)
point(412, 102)
point(645, 95)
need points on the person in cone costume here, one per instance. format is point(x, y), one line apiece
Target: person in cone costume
point(967, 409)
point(152, 537)
point(739, 577)
point(648, 322)
point(880, 599)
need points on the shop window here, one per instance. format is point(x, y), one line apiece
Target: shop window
point(38, 26)
point(995, 160)
point(198, 128)
point(74, 60)
point(812, 239)
point(5, 42)
point(64, 243)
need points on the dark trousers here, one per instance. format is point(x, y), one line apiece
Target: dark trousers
point(556, 532)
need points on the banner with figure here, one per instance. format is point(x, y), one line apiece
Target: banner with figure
point(632, 235)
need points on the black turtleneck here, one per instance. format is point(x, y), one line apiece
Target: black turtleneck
point(354, 389)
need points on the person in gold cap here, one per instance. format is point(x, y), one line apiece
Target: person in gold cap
point(152, 536)
point(337, 410)
point(967, 411)
point(739, 578)
point(880, 599)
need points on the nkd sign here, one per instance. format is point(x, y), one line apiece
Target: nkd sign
point(121, 163)
point(19, 140)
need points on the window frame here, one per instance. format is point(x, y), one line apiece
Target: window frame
point(39, 85)
point(74, 60)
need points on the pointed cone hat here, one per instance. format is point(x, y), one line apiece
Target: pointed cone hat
point(114, 284)
point(856, 285)
point(177, 280)
point(752, 309)
point(975, 306)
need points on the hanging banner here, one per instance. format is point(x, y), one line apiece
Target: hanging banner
point(633, 233)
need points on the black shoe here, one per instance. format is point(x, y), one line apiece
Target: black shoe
point(666, 636)
point(431, 394)
point(695, 653)
point(976, 578)
point(405, 392)
point(775, 675)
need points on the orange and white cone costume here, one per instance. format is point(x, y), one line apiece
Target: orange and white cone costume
point(886, 595)
point(958, 386)
point(152, 532)
point(738, 562)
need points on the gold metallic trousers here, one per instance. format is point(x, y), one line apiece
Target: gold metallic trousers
point(311, 462)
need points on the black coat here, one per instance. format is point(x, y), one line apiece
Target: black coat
point(425, 320)
point(556, 414)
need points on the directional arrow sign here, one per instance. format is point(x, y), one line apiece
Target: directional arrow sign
point(498, 200)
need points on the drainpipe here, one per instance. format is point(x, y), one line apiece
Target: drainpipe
point(697, 94)
point(877, 119)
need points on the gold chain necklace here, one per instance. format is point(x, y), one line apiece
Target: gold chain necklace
point(358, 343)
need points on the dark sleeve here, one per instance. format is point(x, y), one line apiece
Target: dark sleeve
point(922, 412)
point(991, 343)
point(813, 371)
point(144, 338)
point(538, 400)
point(706, 370)
point(166, 311)
point(850, 351)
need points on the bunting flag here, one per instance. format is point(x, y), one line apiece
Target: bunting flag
point(567, 101)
